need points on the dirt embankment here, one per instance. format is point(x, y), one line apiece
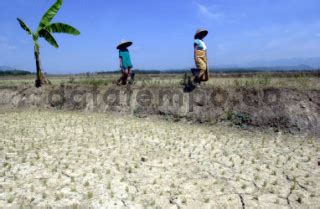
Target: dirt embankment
point(295, 111)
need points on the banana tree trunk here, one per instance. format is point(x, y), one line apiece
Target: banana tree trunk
point(39, 70)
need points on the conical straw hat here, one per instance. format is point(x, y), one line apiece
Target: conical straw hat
point(124, 44)
point(200, 34)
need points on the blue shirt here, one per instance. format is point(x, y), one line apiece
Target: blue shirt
point(200, 44)
point(126, 60)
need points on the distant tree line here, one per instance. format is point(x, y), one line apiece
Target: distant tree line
point(145, 72)
point(219, 70)
point(14, 72)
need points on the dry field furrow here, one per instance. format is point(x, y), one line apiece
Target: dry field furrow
point(63, 159)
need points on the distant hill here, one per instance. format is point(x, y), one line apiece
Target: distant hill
point(303, 63)
point(291, 64)
point(6, 68)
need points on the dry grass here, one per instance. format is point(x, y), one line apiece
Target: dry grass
point(298, 81)
point(104, 161)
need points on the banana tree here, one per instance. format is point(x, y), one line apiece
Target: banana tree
point(45, 30)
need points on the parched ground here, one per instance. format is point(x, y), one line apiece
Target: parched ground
point(60, 159)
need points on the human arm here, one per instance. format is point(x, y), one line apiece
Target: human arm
point(120, 59)
point(195, 51)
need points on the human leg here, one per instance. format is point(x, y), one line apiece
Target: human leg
point(202, 66)
point(124, 76)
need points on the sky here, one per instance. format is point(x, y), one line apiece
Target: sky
point(240, 31)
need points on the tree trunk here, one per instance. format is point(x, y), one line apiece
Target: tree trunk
point(39, 70)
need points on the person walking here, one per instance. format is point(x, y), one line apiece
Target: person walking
point(127, 75)
point(200, 56)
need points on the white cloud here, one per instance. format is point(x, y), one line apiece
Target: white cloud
point(268, 42)
point(5, 45)
point(209, 12)
point(136, 48)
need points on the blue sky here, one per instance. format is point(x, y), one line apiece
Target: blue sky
point(240, 31)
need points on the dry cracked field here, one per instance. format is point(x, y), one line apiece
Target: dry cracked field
point(80, 160)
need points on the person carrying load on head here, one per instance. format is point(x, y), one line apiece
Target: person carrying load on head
point(125, 64)
point(200, 56)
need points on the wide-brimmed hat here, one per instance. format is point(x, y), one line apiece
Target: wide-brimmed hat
point(201, 33)
point(124, 44)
